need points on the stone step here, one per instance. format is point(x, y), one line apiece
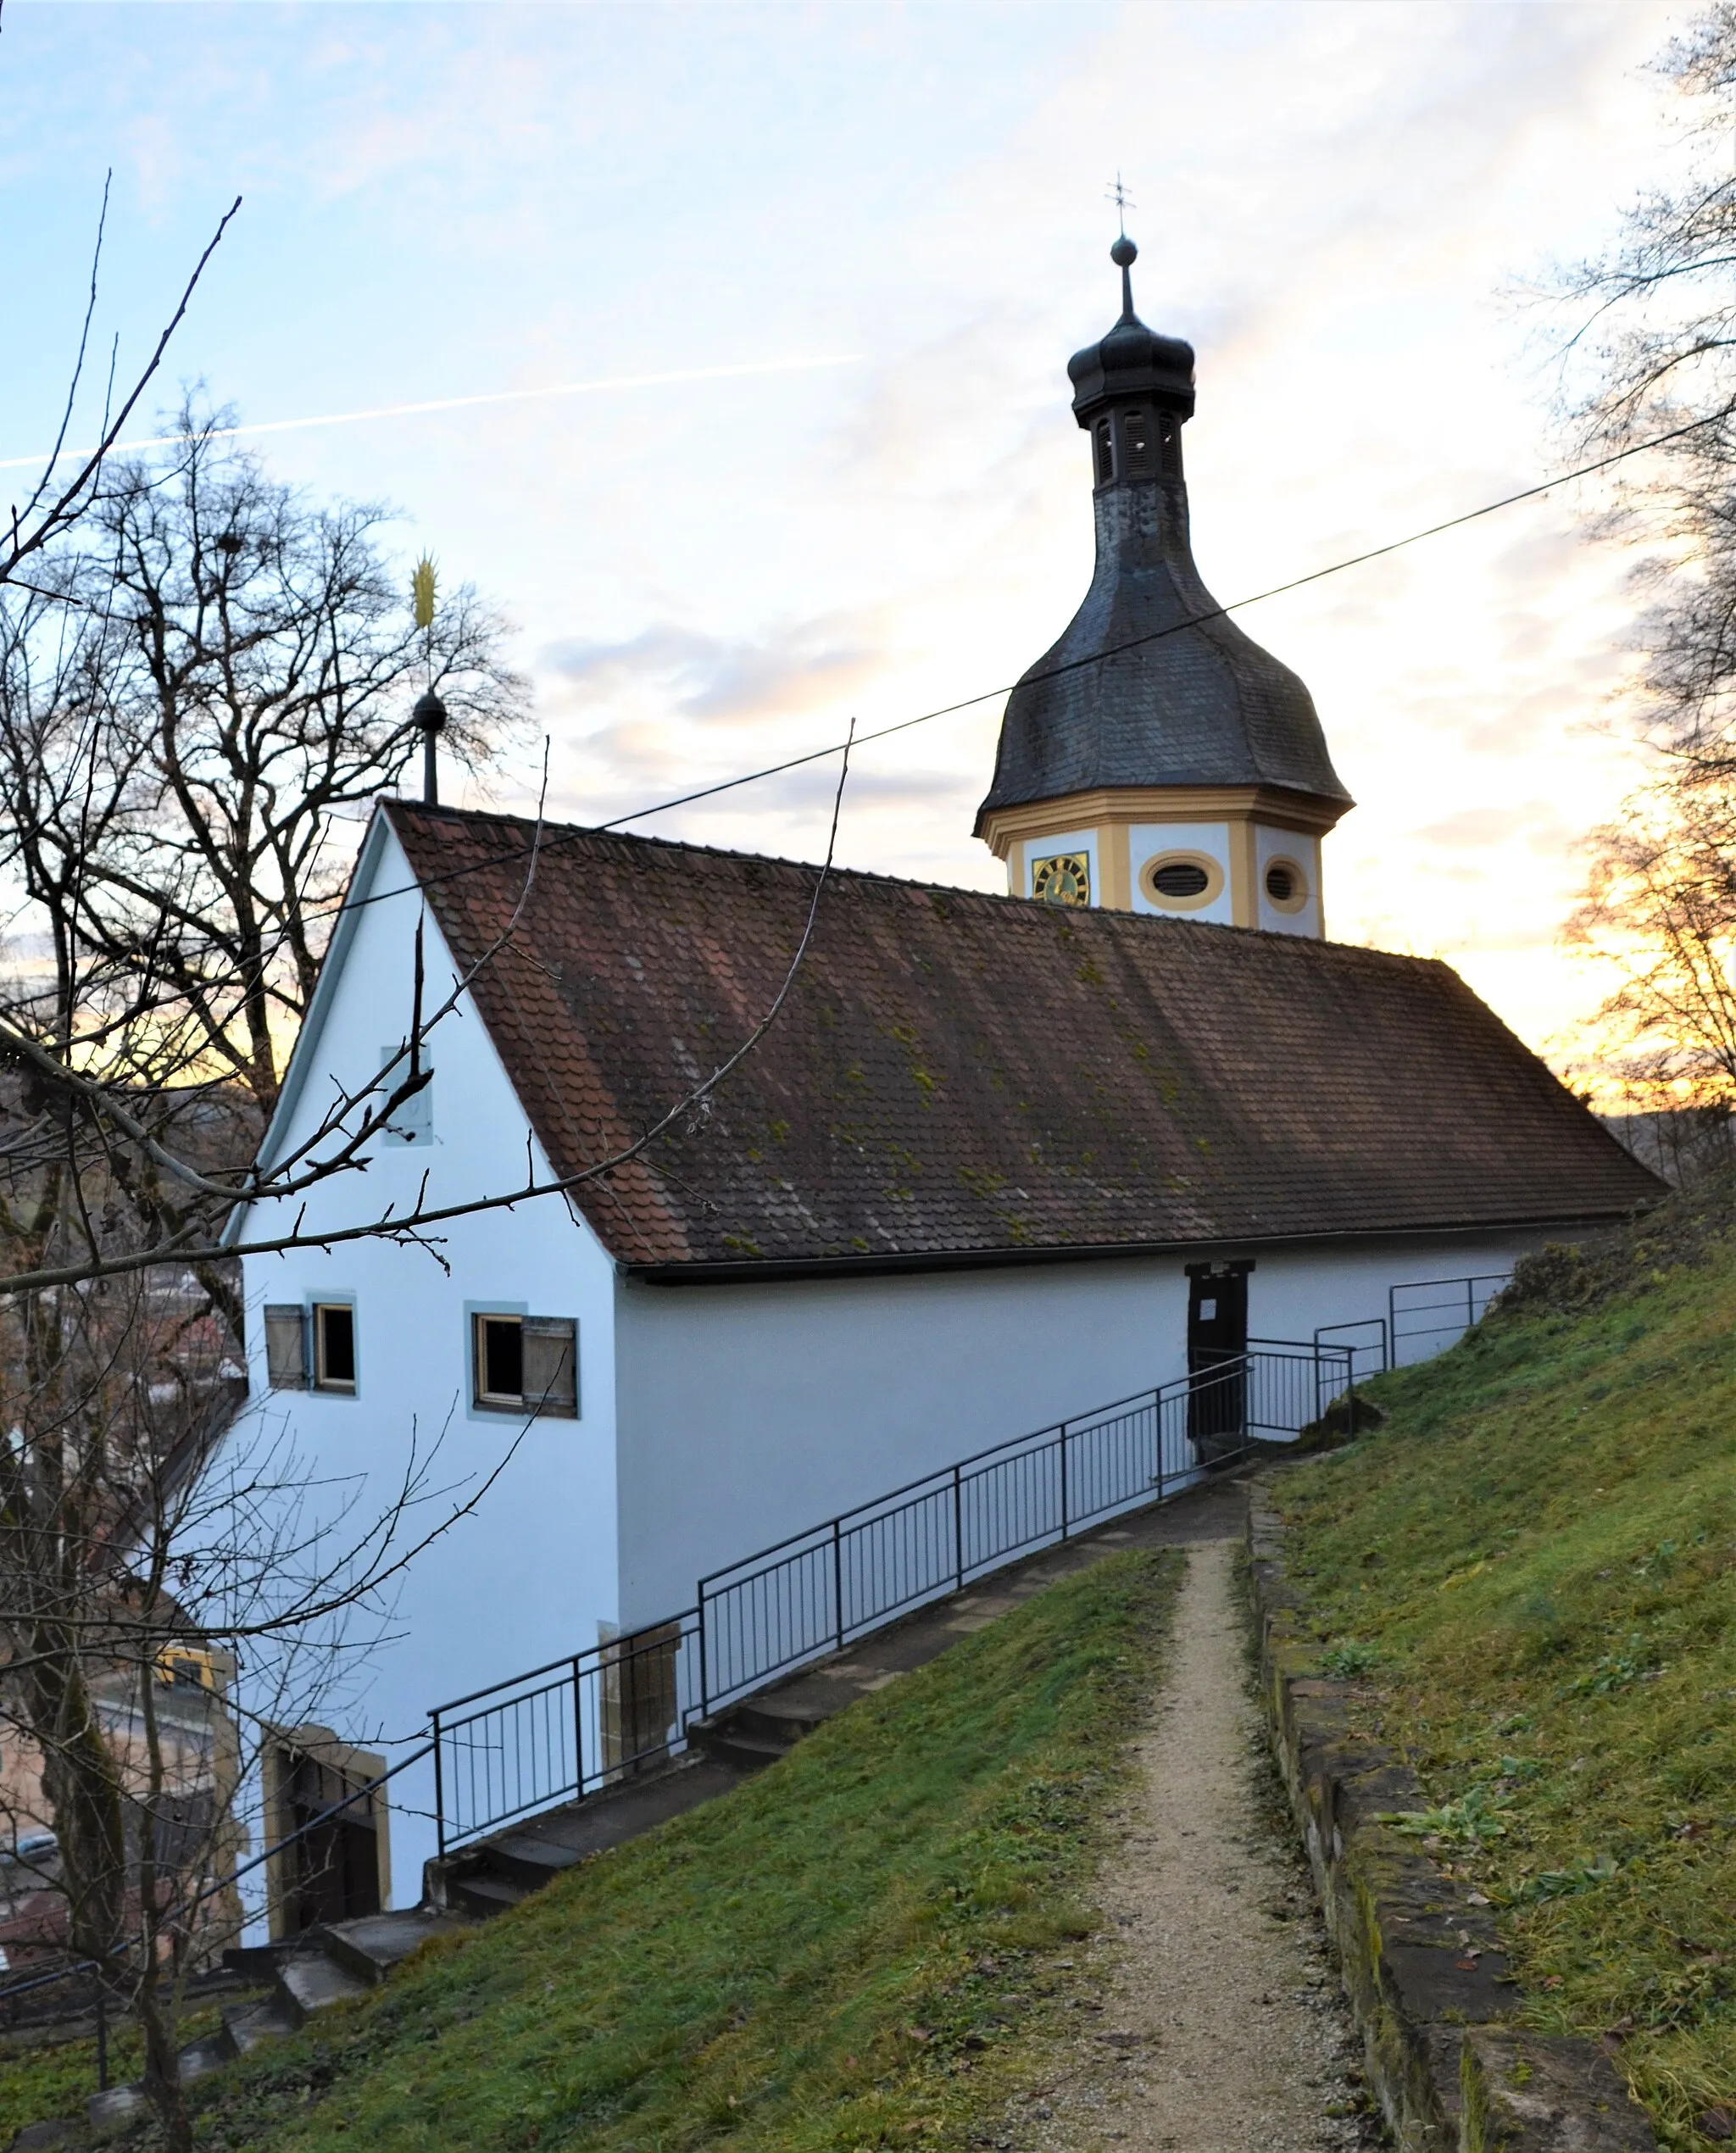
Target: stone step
point(250, 2026)
point(33, 2138)
point(372, 1944)
point(116, 2108)
point(312, 1982)
point(530, 1860)
point(780, 1721)
point(483, 1895)
point(199, 2059)
point(732, 1744)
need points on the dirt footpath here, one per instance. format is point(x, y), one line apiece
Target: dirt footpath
point(1217, 2025)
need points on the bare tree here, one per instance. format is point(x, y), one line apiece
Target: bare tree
point(261, 668)
point(188, 695)
point(1660, 910)
point(203, 670)
point(71, 481)
point(164, 1616)
point(1652, 353)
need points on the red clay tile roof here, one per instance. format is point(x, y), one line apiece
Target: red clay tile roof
point(959, 1074)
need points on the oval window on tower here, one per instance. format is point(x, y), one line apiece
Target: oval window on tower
point(1286, 885)
point(1181, 881)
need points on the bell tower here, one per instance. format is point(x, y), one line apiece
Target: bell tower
point(1157, 759)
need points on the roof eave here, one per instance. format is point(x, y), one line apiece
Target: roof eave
point(302, 1054)
point(767, 1270)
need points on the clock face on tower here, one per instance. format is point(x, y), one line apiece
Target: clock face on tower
point(1063, 879)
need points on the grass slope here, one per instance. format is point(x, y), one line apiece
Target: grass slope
point(842, 1953)
point(56, 2078)
point(1531, 1571)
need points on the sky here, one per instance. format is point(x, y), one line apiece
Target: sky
point(822, 267)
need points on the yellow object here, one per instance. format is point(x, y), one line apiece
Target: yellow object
point(1065, 879)
point(423, 586)
point(185, 1663)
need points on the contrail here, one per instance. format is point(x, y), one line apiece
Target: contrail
point(462, 402)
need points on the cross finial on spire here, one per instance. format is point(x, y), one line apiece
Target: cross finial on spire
point(1124, 253)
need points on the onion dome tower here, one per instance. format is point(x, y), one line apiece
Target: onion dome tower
point(1156, 759)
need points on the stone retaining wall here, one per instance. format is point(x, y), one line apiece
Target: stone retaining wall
point(1452, 2067)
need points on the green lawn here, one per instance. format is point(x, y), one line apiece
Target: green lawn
point(56, 2078)
point(853, 1949)
point(1531, 1570)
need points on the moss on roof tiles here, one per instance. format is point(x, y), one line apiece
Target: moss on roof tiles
point(1138, 1081)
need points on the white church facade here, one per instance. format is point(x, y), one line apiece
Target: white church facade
point(998, 1160)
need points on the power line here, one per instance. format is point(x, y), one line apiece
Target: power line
point(1052, 672)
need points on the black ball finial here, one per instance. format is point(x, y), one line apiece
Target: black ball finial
point(430, 713)
point(1124, 253)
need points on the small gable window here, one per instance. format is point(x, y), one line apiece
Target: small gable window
point(412, 1119)
point(312, 1348)
point(525, 1365)
point(334, 1346)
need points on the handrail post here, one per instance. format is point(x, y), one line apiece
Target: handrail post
point(704, 1667)
point(1157, 1437)
point(578, 1732)
point(439, 1791)
point(1064, 1480)
point(958, 1525)
point(838, 1576)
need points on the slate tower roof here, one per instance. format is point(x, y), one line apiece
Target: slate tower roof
point(1195, 701)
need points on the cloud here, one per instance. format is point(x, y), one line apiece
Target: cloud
point(1475, 829)
point(700, 675)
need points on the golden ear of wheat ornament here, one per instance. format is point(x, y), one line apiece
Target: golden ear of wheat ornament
point(423, 584)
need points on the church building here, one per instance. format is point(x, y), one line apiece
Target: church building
point(997, 1161)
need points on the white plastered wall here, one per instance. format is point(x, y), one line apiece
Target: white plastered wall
point(747, 1412)
point(530, 1573)
point(1147, 841)
point(1288, 844)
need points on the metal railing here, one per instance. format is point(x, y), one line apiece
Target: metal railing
point(816, 1591)
point(70, 1967)
point(1368, 1343)
point(580, 1723)
point(564, 1730)
point(1429, 1314)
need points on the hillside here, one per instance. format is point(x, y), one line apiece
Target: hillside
point(843, 1952)
point(1530, 1572)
